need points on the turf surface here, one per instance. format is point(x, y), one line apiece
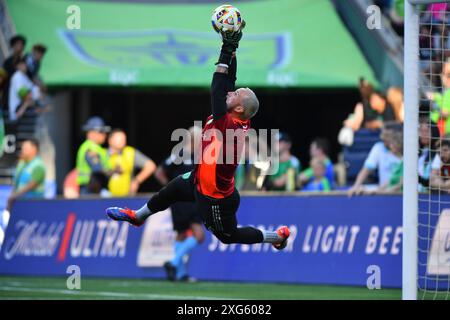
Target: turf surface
point(55, 288)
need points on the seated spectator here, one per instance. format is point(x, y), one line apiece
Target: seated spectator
point(395, 183)
point(29, 177)
point(250, 174)
point(428, 139)
point(440, 168)
point(441, 107)
point(438, 12)
point(3, 81)
point(397, 16)
point(318, 150)
point(373, 114)
point(98, 184)
point(126, 160)
point(370, 113)
point(22, 92)
point(426, 46)
point(319, 181)
point(33, 61)
point(394, 98)
point(17, 44)
point(288, 167)
point(71, 189)
point(381, 158)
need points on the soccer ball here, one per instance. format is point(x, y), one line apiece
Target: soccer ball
point(226, 18)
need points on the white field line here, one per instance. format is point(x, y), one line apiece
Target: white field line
point(107, 294)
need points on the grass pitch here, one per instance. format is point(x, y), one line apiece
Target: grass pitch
point(55, 288)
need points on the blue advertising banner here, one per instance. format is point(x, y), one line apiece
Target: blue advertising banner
point(335, 240)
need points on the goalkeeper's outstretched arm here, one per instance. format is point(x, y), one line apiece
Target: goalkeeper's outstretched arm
point(224, 80)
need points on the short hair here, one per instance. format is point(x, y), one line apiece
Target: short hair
point(318, 161)
point(21, 60)
point(379, 93)
point(33, 142)
point(250, 103)
point(322, 144)
point(393, 125)
point(445, 142)
point(397, 138)
point(39, 47)
point(16, 39)
point(117, 130)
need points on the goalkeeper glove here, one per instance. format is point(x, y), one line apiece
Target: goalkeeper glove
point(230, 42)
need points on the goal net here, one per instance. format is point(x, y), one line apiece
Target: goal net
point(426, 199)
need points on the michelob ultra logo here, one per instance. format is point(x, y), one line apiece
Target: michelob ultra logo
point(73, 238)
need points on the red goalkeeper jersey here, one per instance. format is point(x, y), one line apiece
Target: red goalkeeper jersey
point(215, 173)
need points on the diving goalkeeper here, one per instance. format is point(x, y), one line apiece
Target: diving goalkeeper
point(211, 183)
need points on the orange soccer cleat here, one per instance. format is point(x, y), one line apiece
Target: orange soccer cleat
point(124, 214)
point(284, 233)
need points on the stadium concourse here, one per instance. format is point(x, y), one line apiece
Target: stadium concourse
point(93, 104)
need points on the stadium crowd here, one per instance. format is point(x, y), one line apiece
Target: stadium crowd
point(23, 97)
point(111, 171)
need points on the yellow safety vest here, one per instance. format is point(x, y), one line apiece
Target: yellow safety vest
point(119, 184)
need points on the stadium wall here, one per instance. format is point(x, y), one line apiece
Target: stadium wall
point(335, 240)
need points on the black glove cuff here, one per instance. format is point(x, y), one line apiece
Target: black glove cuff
point(225, 58)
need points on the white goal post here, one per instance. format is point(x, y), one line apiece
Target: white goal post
point(410, 156)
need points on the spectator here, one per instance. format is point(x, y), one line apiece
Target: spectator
point(438, 12)
point(186, 219)
point(426, 45)
point(3, 81)
point(17, 44)
point(428, 138)
point(381, 158)
point(319, 150)
point(441, 107)
point(397, 16)
point(288, 167)
point(376, 112)
point(394, 97)
point(22, 92)
point(125, 159)
point(355, 119)
point(98, 184)
point(33, 61)
point(370, 113)
point(319, 181)
point(440, 168)
point(251, 172)
point(29, 177)
point(395, 183)
point(71, 189)
point(91, 156)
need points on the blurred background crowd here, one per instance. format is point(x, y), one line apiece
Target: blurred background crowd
point(363, 153)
